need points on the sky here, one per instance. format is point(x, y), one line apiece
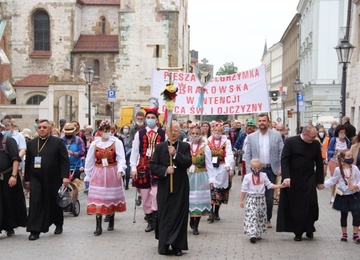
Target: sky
point(236, 30)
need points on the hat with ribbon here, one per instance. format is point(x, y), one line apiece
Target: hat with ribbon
point(152, 110)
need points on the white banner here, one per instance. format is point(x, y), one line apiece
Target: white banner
point(245, 92)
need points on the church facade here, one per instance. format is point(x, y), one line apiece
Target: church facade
point(121, 40)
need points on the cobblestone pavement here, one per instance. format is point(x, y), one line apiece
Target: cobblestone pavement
point(223, 239)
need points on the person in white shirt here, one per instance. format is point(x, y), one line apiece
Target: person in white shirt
point(347, 198)
point(253, 192)
point(142, 151)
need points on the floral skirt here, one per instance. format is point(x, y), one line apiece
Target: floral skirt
point(220, 195)
point(199, 200)
point(255, 215)
point(106, 193)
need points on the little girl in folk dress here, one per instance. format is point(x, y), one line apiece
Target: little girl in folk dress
point(253, 189)
point(348, 195)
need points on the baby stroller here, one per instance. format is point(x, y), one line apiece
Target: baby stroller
point(68, 196)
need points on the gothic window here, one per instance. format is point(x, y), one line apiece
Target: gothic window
point(41, 31)
point(35, 100)
point(97, 68)
point(103, 25)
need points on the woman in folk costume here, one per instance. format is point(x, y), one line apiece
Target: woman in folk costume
point(223, 161)
point(200, 200)
point(104, 167)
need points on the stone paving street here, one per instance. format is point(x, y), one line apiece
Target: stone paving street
point(223, 239)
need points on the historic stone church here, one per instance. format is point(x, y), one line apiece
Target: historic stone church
point(50, 43)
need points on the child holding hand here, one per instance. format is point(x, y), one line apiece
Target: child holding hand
point(347, 198)
point(253, 189)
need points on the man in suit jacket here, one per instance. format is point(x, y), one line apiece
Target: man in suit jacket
point(266, 145)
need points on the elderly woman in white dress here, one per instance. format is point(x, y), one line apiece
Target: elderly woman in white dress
point(219, 175)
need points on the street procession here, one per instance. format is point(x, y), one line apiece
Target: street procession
point(148, 129)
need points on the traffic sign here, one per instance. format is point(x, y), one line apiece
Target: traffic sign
point(111, 94)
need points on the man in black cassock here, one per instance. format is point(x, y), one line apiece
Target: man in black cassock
point(302, 172)
point(46, 168)
point(173, 208)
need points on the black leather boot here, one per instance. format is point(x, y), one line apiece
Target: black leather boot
point(155, 217)
point(211, 217)
point(216, 214)
point(150, 226)
point(98, 229)
point(111, 222)
point(192, 222)
point(196, 226)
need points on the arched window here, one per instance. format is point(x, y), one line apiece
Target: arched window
point(41, 31)
point(35, 100)
point(103, 25)
point(97, 67)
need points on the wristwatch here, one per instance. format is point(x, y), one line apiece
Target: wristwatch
point(14, 175)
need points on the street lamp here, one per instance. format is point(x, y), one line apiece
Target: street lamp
point(344, 51)
point(113, 87)
point(89, 76)
point(297, 88)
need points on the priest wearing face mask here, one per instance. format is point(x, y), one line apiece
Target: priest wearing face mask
point(337, 144)
point(104, 168)
point(142, 151)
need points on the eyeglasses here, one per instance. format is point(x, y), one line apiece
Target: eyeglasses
point(312, 137)
point(42, 127)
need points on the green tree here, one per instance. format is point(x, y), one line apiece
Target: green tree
point(227, 69)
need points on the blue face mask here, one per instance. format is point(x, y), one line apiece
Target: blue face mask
point(226, 129)
point(256, 172)
point(7, 133)
point(125, 131)
point(151, 123)
point(349, 160)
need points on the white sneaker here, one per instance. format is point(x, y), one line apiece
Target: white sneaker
point(332, 199)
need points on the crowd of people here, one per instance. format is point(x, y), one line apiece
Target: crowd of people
point(181, 171)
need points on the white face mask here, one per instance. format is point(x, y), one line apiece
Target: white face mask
point(321, 135)
point(106, 135)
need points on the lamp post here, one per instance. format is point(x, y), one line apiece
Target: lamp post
point(113, 87)
point(344, 51)
point(297, 88)
point(89, 76)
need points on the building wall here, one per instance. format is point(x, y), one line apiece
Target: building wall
point(141, 30)
point(62, 39)
point(353, 71)
point(319, 70)
point(273, 62)
point(141, 25)
point(290, 43)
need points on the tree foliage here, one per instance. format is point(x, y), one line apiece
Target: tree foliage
point(227, 69)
